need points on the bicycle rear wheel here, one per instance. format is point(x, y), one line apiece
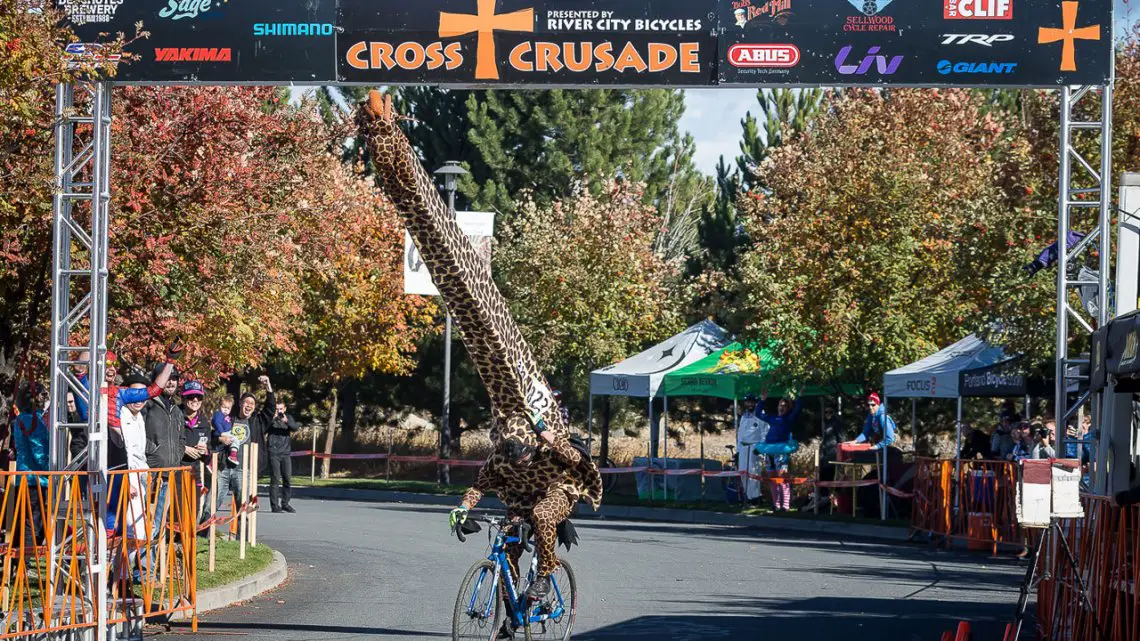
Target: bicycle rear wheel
point(478, 608)
point(563, 594)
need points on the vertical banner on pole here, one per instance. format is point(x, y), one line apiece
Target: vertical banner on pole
point(665, 436)
point(240, 502)
point(213, 506)
point(253, 474)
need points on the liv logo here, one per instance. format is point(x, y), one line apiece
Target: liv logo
point(882, 64)
point(179, 9)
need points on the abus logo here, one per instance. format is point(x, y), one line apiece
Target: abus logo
point(192, 54)
point(946, 67)
point(747, 56)
point(882, 64)
point(986, 40)
point(977, 9)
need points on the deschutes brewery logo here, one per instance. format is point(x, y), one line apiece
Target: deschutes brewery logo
point(192, 54)
point(90, 11)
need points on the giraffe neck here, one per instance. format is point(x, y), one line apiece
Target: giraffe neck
point(493, 340)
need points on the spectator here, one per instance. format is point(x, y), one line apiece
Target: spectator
point(1002, 441)
point(248, 427)
point(197, 436)
point(222, 422)
point(878, 427)
point(751, 429)
point(834, 433)
point(31, 439)
point(976, 443)
point(132, 425)
point(279, 444)
point(780, 431)
point(1022, 443)
point(165, 442)
point(1040, 448)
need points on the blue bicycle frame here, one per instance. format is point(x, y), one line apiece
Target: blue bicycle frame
point(516, 603)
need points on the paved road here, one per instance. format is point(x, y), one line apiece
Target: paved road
point(388, 571)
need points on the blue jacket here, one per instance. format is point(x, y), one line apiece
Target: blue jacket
point(780, 427)
point(880, 427)
point(31, 439)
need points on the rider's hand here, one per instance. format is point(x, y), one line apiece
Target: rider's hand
point(457, 516)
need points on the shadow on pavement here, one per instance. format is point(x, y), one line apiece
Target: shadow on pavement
point(206, 628)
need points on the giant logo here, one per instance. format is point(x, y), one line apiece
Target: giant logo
point(946, 67)
point(977, 9)
point(883, 65)
point(750, 56)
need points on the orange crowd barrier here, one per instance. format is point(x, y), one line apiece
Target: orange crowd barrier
point(968, 500)
point(50, 528)
point(1106, 545)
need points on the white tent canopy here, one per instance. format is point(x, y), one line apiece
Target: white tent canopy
point(640, 375)
point(936, 376)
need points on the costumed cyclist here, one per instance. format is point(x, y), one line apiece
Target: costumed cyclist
point(751, 430)
point(778, 446)
point(539, 474)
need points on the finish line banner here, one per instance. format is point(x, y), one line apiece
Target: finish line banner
point(584, 43)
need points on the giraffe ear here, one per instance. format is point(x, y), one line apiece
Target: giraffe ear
point(379, 106)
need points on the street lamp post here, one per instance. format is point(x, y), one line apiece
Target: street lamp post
point(449, 173)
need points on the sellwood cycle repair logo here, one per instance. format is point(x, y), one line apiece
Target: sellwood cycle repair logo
point(548, 54)
point(870, 20)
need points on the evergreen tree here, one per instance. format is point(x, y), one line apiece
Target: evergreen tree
point(783, 112)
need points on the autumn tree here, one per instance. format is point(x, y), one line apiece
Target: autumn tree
point(888, 231)
point(784, 114)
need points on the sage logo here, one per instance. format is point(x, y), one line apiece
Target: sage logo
point(882, 64)
point(946, 67)
point(179, 9)
point(986, 40)
point(292, 29)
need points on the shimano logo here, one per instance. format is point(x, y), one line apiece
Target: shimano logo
point(292, 29)
point(946, 67)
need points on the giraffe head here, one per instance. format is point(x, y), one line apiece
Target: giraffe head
point(514, 432)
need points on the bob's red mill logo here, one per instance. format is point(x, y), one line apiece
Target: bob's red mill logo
point(551, 55)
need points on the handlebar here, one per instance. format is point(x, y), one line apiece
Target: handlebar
point(525, 528)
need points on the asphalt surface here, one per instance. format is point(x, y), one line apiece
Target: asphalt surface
point(391, 571)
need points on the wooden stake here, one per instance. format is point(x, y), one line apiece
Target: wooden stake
point(213, 505)
point(241, 501)
point(254, 451)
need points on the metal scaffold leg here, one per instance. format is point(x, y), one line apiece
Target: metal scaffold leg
point(1082, 290)
point(79, 300)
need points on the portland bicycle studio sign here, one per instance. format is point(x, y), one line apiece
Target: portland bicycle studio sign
point(991, 380)
point(586, 43)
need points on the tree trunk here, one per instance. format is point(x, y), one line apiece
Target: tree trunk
point(605, 452)
point(445, 433)
point(330, 435)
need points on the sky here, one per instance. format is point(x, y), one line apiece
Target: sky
point(713, 116)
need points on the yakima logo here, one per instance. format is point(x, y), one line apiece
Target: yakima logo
point(192, 54)
point(977, 9)
point(748, 56)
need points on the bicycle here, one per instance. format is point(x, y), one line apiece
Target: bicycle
point(488, 585)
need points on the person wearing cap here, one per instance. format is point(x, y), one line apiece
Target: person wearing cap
point(197, 430)
point(751, 429)
point(878, 427)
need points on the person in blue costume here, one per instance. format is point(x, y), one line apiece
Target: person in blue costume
point(779, 434)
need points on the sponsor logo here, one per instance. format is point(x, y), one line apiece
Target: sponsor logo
point(192, 54)
point(621, 384)
point(870, 21)
point(179, 9)
point(882, 64)
point(406, 55)
point(977, 9)
point(78, 53)
point(292, 29)
point(749, 56)
point(90, 11)
point(986, 40)
point(485, 22)
point(1068, 34)
point(921, 386)
point(1130, 348)
point(990, 379)
point(778, 11)
point(946, 67)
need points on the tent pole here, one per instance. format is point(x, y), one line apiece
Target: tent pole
point(958, 454)
point(649, 454)
point(913, 422)
point(590, 425)
point(883, 468)
point(665, 430)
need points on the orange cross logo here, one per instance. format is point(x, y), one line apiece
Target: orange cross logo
point(485, 22)
point(1069, 34)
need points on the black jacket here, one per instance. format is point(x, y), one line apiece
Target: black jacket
point(279, 435)
point(165, 432)
point(833, 435)
point(259, 424)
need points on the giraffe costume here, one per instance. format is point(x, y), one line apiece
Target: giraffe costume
point(557, 475)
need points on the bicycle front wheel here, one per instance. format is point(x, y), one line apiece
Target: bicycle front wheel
point(478, 608)
point(559, 608)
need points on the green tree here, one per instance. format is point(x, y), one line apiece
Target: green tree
point(784, 114)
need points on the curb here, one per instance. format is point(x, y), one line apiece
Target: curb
point(243, 589)
point(633, 513)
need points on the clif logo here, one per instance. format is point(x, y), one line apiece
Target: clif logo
point(977, 9)
point(749, 56)
point(192, 54)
